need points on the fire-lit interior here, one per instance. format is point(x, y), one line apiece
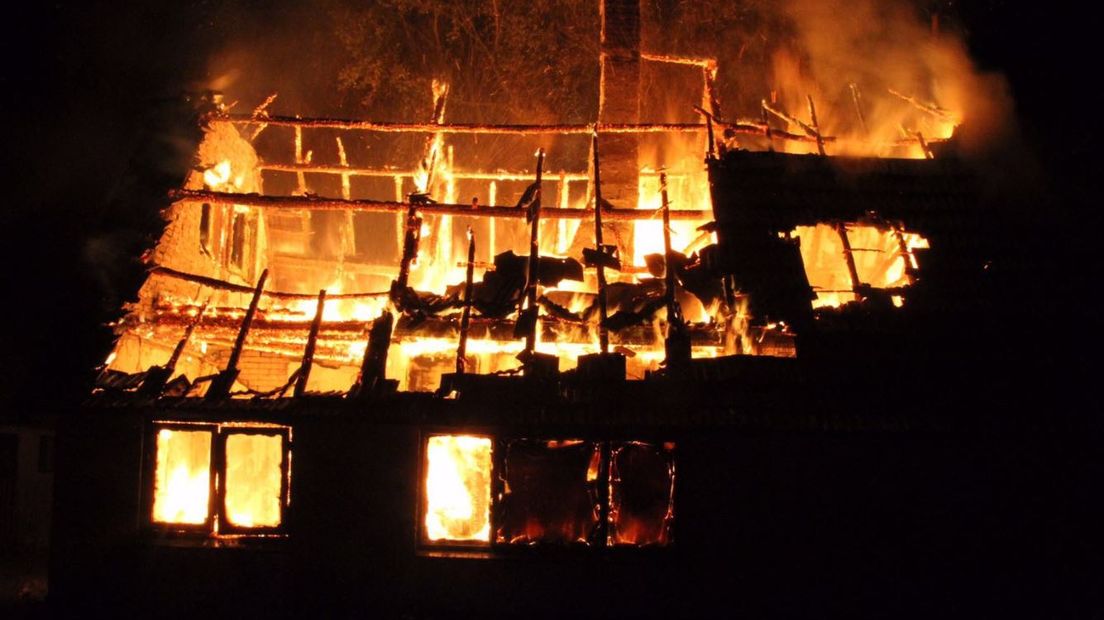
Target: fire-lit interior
point(881, 258)
point(252, 475)
point(551, 492)
point(182, 482)
point(642, 494)
point(547, 492)
point(458, 489)
point(253, 479)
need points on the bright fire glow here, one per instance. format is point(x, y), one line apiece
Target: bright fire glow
point(218, 177)
point(458, 488)
point(181, 490)
point(877, 254)
point(253, 473)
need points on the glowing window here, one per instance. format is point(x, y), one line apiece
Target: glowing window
point(205, 228)
point(246, 466)
point(182, 482)
point(552, 492)
point(642, 493)
point(882, 258)
point(521, 493)
point(254, 474)
point(457, 501)
point(237, 241)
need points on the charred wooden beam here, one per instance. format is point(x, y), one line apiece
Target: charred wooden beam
point(527, 320)
point(736, 127)
point(223, 285)
point(388, 173)
point(924, 106)
point(465, 319)
point(924, 146)
point(373, 369)
point(308, 352)
point(815, 125)
point(603, 310)
point(224, 381)
point(411, 239)
point(158, 376)
point(767, 128)
point(704, 63)
point(677, 343)
point(383, 206)
point(710, 149)
point(810, 131)
point(906, 253)
point(856, 98)
point(849, 257)
point(336, 337)
point(428, 164)
point(460, 128)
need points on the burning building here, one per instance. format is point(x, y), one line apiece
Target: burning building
point(345, 384)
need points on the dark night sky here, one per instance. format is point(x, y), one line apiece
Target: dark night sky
point(89, 95)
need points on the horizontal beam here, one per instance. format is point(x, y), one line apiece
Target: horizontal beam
point(223, 285)
point(741, 127)
point(383, 206)
point(476, 176)
point(460, 128)
point(704, 63)
point(745, 127)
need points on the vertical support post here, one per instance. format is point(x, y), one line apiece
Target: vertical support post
point(709, 95)
point(411, 240)
point(677, 344)
point(906, 254)
point(849, 257)
point(346, 184)
point(816, 126)
point(924, 146)
point(348, 242)
point(300, 176)
point(674, 311)
point(856, 98)
point(710, 146)
point(603, 310)
point(766, 126)
point(529, 318)
point(465, 319)
point(373, 370)
point(308, 353)
point(399, 227)
point(492, 199)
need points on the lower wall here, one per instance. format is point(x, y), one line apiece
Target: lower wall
point(767, 524)
point(26, 489)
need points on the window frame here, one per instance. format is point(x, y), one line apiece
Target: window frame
point(492, 547)
point(226, 528)
point(422, 536)
point(216, 525)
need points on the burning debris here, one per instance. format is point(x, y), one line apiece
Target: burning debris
point(616, 252)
